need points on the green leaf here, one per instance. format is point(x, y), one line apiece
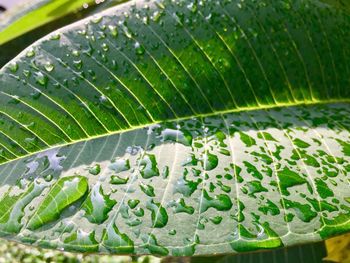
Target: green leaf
point(313, 253)
point(24, 24)
point(179, 128)
point(343, 4)
point(33, 14)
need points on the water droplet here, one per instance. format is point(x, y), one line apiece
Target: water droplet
point(156, 16)
point(65, 192)
point(253, 170)
point(270, 208)
point(30, 53)
point(190, 160)
point(247, 140)
point(159, 215)
point(48, 178)
point(120, 165)
point(41, 79)
point(322, 188)
point(160, 5)
point(266, 237)
point(216, 220)
point(181, 207)
point(75, 240)
point(127, 32)
point(98, 205)
point(148, 166)
point(105, 47)
point(303, 211)
point(13, 67)
point(49, 67)
point(193, 7)
point(165, 172)
point(26, 73)
point(55, 36)
point(139, 49)
point(96, 19)
point(145, 20)
point(147, 189)
point(255, 187)
point(95, 170)
point(78, 64)
point(186, 187)
point(210, 161)
point(113, 30)
point(134, 222)
point(117, 242)
point(220, 202)
point(11, 217)
point(118, 180)
point(133, 203)
point(152, 245)
point(183, 137)
point(139, 212)
point(289, 178)
point(75, 53)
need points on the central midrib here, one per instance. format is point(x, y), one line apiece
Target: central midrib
point(242, 109)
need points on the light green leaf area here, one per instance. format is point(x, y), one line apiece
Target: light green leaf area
point(180, 128)
point(24, 24)
point(214, 195)
point(32, 15)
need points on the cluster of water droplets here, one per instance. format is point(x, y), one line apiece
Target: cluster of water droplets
point(236, 186)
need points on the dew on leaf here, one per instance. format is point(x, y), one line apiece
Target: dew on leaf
point(13, 67)
point(179, 136)
point(139, 49)
point(153, 247)
point(139, 212)
point(41, 79)
point(181, 207)
point(118, 180)
point(81, 241)
point(159, 215)
point(216, 220)
point(120, 165)
point(186, 187)
point(210, 161)
point(65, 192)
point(49, 67)
point(98, 205)
point(113, 30)
point(147, 189)
point(30, 53)
point(289, 178)
point(148, 166)
point(95, 170)
point(133, 203)
point(220, 202)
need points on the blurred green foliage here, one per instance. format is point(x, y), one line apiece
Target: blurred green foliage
point(11, 252)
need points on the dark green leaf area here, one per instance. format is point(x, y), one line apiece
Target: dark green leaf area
point(136, 64)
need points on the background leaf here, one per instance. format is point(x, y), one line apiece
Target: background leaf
point(30, 15)
point(44, 16)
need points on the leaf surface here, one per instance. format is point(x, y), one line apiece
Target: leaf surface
point(150, 129)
